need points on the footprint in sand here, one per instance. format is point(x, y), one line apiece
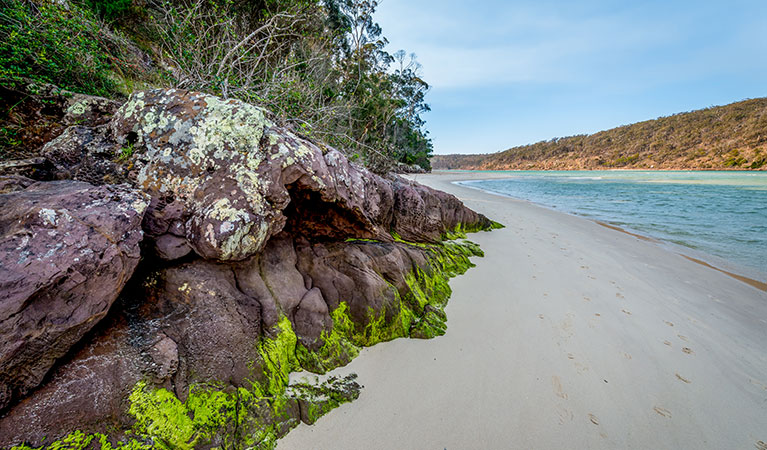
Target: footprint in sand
point(626, 355)
point(688, 350)
point(667, 343)
point(565, 415)
point(662, 411)
point(556, 384)
point(584, 267)
point(681, 378)
point(619, 295)
point(628, 313)
point(760, 445)
point(593, 278)
point(540, 316)
point(586, 299)
point(593, 419)
point(668, 323)
point(598, 315)
point(581, 368)
point(570, 356)
point(684, 338)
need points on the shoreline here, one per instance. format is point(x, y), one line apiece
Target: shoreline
point(566, 334)
point(615, 169)
point(738, 271)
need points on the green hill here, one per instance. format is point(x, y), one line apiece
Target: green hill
point(722, 137)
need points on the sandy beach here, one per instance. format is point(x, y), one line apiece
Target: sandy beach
point(567, 334)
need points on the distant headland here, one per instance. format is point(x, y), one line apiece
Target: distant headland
point(733, 136)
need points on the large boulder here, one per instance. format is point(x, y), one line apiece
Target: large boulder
point(205, 153)
point(231, 180)
point(66, 250)
point(267, 253)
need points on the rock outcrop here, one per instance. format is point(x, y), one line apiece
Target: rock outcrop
point(265, 253)
point(66, 251)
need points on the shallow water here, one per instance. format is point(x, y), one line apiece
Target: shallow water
point(719, 213)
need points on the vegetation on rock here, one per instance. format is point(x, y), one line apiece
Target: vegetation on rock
point(722, 137)
point(256, 416)
point(262, 254)
point(318, 65)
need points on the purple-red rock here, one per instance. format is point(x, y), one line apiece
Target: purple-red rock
point(66, 250)
point(235, 180)
point(269, 225)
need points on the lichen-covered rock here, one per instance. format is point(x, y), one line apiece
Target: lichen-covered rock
point(267, 254)
point(85, 154)
point(204, 152)
point(41, 112)
point(238, 180)
point(82, 109)
point(66, 250)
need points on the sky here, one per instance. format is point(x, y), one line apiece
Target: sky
point(508, 73)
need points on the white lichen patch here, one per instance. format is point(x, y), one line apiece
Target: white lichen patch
point(52, 251)
point(139, 205)
point(48, 216)
point(226, 227)
point(78, 108)
point(223, 210)
point(134, 104)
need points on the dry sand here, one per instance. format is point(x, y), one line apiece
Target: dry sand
point(567, 334)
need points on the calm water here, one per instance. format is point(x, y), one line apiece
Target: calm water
point(719, 213)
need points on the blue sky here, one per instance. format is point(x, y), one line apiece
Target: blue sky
point(517, 72)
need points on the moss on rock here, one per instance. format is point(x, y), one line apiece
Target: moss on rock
point(337, 349)
point(417, 312)
point(224, 416)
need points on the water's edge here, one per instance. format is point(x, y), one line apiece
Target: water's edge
point(746, 274)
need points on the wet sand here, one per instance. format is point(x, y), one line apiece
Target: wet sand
point(567, 334)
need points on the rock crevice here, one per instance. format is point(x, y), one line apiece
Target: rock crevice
point(263, 253)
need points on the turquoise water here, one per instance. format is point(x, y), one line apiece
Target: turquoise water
point(719, 213)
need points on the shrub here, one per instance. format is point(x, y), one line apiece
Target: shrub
point(110, 10)
point(52, 43)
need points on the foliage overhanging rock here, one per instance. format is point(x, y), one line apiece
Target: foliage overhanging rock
point(264, 254)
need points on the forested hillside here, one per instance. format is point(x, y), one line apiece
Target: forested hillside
point(318, 65)
point(723, 137)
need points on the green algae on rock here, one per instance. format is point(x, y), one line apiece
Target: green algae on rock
point(253, 417)
point(264, 254)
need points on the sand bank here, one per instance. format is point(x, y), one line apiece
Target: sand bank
point(566, 335)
